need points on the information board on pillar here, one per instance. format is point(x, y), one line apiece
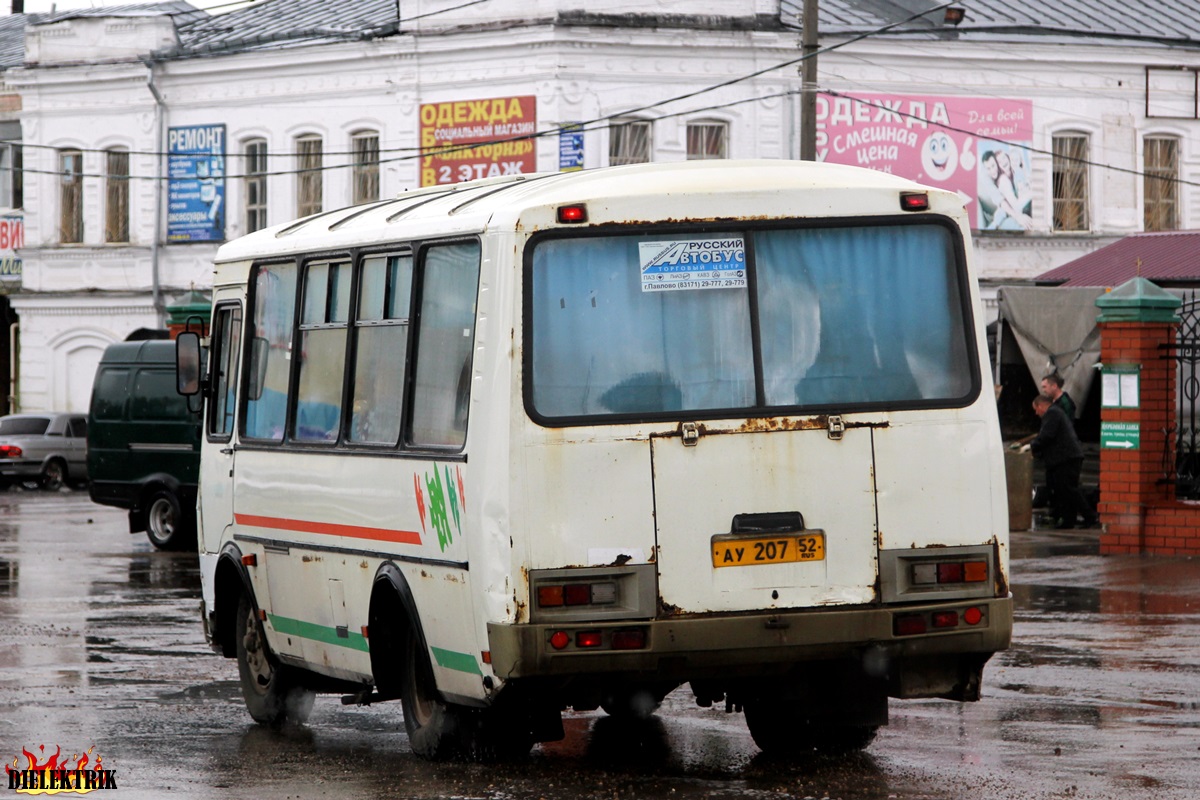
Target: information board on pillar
point(463, 140)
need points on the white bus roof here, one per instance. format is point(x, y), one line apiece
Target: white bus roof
point(687, 191)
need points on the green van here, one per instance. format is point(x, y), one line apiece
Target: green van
point(144, 443)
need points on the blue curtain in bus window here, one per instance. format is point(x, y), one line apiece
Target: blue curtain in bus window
point(270, 356)
point(860, 315)
point(603, 345)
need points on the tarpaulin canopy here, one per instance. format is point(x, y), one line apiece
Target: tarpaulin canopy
point(1056, 331)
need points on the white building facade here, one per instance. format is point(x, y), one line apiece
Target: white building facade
point(151, 136)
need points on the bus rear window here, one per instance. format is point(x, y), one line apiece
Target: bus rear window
point(667, 323)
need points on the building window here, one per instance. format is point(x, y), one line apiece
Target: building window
point(1161, 183)
point(1070, 175)
point(70, 197)
point(365, 146)
point(255, 171)
point(309, 183)
point(11, 179)
point(707, 140)
point(116, 196)
point(629, 143)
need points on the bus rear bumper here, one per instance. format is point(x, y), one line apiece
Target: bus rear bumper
point(746, 646)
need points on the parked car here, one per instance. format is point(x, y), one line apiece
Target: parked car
point(46, 450)
point(144, 443)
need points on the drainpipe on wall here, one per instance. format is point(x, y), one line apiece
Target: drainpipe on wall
point(13, 368)
point(160, 112)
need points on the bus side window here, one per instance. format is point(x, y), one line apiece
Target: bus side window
point(274, 312)
point(323, 320)
point(227, 332)
point(445, 339)
point(381, 349)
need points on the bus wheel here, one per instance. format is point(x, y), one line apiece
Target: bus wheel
point(779, 727)
point(436, 729)
point(272, 695)
point(164, 521)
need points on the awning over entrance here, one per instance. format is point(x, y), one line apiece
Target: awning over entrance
point(1056, 331)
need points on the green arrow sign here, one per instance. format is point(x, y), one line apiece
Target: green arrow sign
point(1120, 435)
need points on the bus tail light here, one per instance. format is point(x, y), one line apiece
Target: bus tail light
point(555, 595)
point(598, 639)
point(584, 596)
point(914, 201)
point(949, 572)
point(572, 214)
point(589, 639)
point(632, 639)
point(942, 620)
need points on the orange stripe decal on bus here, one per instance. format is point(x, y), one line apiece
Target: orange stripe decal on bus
point(329, 529)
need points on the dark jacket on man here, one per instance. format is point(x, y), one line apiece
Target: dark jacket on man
point(1056, 442)
point(1065, 402)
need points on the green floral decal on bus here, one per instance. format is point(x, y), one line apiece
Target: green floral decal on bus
point(441, 499)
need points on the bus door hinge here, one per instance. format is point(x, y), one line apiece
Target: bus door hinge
point(690, 432)
point(837, 428)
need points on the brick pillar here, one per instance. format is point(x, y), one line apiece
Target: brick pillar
point(194, 309)
point(1135, 320)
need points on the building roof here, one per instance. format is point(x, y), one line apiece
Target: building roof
point(12, 40)
point(281, 23)
point(272, 24)
point(1177, 22)
point(181, 10)
point(1170, 258)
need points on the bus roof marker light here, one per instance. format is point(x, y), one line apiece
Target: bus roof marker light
point(914, 201)
point(572, 214)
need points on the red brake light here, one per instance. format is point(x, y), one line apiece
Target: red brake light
point(577, 594)
point(945, 619)
point(570, 214)
point(629, 640)
point(9, 451)
point(914, 201)
point(972, 616)
point(589, 639)
point(950, 573)
point(908, 625)
point(559, 640)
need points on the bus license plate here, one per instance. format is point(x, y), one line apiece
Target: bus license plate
point(781, 549)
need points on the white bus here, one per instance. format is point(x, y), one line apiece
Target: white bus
point(510, 447)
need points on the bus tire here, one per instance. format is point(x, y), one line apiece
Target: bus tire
point(270, 690)
point(779, 727)
point(165, 526)
point(436, 729)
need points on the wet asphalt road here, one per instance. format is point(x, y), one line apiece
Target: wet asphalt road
point(101, 647)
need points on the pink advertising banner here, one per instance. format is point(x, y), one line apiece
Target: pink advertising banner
point(975, 146)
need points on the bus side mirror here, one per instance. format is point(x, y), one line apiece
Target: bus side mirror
point(187, 364)
point(260, 349)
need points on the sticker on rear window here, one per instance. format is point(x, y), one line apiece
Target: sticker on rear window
point(674, 264)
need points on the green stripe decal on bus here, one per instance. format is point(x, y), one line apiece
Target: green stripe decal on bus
point(459, 662)
point(318, 633)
